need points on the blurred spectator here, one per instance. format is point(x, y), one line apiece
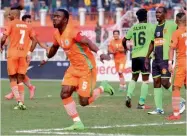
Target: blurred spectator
point(98, 33)
point(14, 3)
point(64, 4)
point(73, 8)
point(100, 3)
point(105, 35)
point(53, 6)
point(44, 6)
point(128, 5)
point(5, 3)
point(93, 9)
point(36, 7)
point(87, 4)
point(58, 4)
point(27, 6)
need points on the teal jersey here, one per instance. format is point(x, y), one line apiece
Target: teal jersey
point(142, 34)
point(162, 39)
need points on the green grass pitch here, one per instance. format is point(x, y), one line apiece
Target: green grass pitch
point(108, 115)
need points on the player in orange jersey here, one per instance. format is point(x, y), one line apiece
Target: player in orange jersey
point(178, 43)
point(81, 75)
point(116, 48)
point(20, 34)
point(32, 88)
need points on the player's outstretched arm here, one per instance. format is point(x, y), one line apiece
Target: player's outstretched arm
point(92, 46)
point(53, 50)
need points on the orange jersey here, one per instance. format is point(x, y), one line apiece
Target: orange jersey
point(179, 43)
point(19, 33)
point(117, 48)
point(79, 55)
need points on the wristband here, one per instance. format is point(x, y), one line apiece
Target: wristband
point(29, 53)
point(170, 62)
point(99, 52)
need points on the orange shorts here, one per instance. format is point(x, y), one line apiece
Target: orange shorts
point(17, 65)
point(180, 76)
point(120, 64)
point(85, 81)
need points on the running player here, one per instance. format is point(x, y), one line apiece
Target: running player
point(20, 34)
point(32, 88)
point(160, 72)
point(178, 43)
point(116, 48)
point(141, 34)
point(81, 75)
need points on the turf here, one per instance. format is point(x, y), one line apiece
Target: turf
point(46, 111)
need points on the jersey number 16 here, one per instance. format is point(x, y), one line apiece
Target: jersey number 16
point(141, 38)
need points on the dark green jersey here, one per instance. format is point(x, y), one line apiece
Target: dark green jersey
point(142, 34)
point(162, 39)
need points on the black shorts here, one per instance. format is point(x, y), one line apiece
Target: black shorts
point(160, 69)
point(138, 65)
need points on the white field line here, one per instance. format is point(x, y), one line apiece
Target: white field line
point(104, 127)
point(72, 133)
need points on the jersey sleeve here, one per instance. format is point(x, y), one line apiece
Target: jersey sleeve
point(32, 33)
point(8, 30)
point(174, 40)
point(78, 36)
point(129, 34)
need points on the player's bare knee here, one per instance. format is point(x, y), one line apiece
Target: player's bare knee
point(83, 101)
point(166, 84)
point(13, 77)
point(20, 78)
point(157, 83)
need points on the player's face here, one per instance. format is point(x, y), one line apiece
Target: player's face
point(116, 35)
point(10, 16)
point(59, 19)
point(160, 15)
point(28, 20)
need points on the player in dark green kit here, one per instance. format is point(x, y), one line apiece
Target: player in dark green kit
point(160, 72)
point(142, 34)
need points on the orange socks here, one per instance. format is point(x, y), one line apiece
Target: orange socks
point(21, 91)
point(27, 81)
point(176, 102)
point(70, 107)
point(122, 80)
point(96, 93)
point(14, 88)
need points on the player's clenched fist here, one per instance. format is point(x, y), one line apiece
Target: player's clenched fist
point(104, 57)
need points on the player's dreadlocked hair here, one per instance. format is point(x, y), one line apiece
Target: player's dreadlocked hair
point(66, 13)
point(141, 14)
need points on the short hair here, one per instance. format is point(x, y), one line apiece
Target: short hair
point(16, 7)
point(116, 31)
point(180, 15)
point(24, 17)
point(164, 9)
point(66, 13)
point(141, 14)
